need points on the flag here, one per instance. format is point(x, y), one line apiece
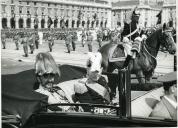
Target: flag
point(159, 16)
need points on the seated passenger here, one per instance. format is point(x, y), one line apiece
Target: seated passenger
point(167, 107)
point(46, 71)
point(94, 88)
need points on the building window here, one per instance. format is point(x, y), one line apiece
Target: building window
point(28, 10)
point(34, 3)
point(48, 4)
point(20, 10)
point(12, 1)
point(20, 2)
point(12, 10)
point(27, 3)
point(42, 10)
point(3, 8)
point(35, 10)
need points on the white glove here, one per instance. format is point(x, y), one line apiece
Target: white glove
point(126, 40)
point(144, 37)
point(138, 39)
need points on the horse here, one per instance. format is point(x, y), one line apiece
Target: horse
point(145, 62)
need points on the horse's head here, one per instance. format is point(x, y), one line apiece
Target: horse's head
point(94, 68)
point(167, 39)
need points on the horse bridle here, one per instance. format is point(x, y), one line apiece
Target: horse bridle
point(146, 47)
point(164, 42)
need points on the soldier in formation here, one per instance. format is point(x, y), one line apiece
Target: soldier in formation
point(32, 42)
point(89, 41)
point(83, 38)
point(16, 40)
point(68, 41)
point(74, 39)
point(3, 39)
point(24, 41)
point(36, 40)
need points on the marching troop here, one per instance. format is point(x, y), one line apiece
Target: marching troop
point(130, 35)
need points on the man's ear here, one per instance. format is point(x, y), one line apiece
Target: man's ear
point(101, 69)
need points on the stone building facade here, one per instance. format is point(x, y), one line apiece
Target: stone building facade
point(169, 12)
point(63, 13)
point(148, 9)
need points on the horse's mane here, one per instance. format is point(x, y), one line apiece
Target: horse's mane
point(153, 35)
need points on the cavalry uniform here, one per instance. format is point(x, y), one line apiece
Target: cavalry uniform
point(130, 31)
point(89, 41)
point(68, 41)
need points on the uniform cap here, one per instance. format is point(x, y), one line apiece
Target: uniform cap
point(170, 77)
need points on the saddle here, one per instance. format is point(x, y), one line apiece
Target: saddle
point(117, 53)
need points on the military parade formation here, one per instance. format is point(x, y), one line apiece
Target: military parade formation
point(130, 34)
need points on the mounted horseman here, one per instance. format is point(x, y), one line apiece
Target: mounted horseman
point(131, 38)
point(144, 64)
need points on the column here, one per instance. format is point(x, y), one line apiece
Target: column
point(25, 22)
point(17, 22)
point(39, 22)
point(32, 22)
point(70, 23)
point(46, 22)
point(8, 22)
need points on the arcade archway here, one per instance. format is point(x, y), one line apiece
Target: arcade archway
point(73, 23)
point(105, 24)
point(12, 22)
point(42, 23)
point(62, 23)
point(92, 24)
point(78, 23)
point(101, 24)
point(67, 23)
point(88, 23)
point(55, 23)
point(28, 23)
point(97, 22)
point(4, 22)
point(83, 23)
point(20, 23)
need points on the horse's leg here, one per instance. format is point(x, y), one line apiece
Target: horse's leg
point(140, 78)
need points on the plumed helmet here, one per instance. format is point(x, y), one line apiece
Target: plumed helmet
point(136, 12)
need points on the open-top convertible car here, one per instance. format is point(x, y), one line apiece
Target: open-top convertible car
point(23, 107)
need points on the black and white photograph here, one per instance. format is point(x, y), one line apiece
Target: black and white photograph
point(88, 63)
